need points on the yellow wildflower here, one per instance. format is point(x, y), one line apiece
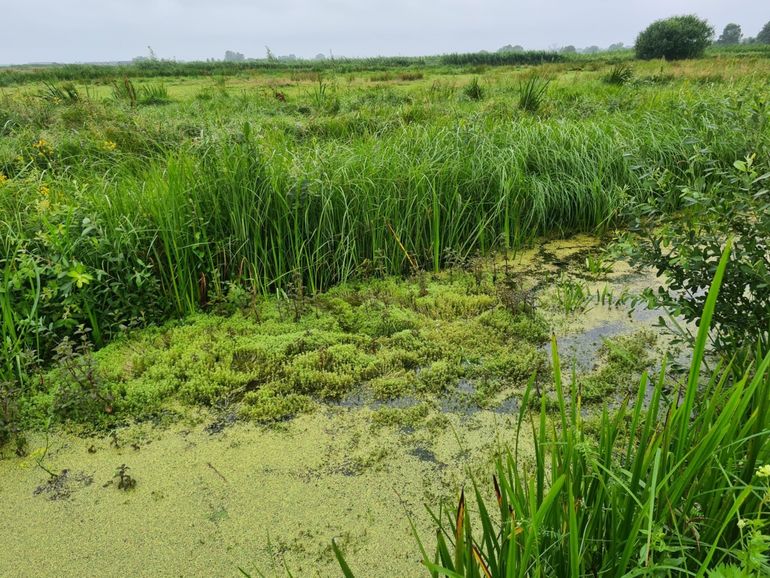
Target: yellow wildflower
point(44, 190)
point(3, 178)
point(44, 149)
point(764, 471)
point(109, 145)
point(43, 205)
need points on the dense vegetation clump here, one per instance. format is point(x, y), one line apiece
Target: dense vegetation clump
point(385, 340)
point(121, 213)
point(675, 38)
point(155, 68)
point(506, 57)
point(731, 34)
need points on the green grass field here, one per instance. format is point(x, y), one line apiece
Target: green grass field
point(251, 183)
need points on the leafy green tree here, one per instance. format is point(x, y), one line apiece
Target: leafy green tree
point(764, 35)
point(731, 34)
point(674, 38)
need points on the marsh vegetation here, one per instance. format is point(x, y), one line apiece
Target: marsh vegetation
point(396, 278)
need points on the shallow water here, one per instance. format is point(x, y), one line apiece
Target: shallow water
point(252, 497)
point(213, 494)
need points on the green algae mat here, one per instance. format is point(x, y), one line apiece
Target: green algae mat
point(250, 438)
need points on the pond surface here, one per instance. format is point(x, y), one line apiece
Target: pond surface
point(214, 493)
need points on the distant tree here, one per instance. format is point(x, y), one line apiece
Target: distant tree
point(764, 35)
point(231, 56)
point(320, 56)
point(591, 50)
point(674, 38)
point(569, 49)
point(615, 47)
point(509, 48)
point(731, 34)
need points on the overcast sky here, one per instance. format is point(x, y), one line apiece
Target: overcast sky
point(105, 30)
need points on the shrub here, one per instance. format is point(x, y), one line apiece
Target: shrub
point(674, 38)
point(687, 246)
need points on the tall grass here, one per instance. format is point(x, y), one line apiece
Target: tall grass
point(532, 93)
point(619, 74)
point(154, 94)
point(19, 75)
point(154, 227)
point(125, 90)
point(232, 213)
point(659, 490)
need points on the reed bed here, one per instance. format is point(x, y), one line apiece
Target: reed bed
point(134, 221)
